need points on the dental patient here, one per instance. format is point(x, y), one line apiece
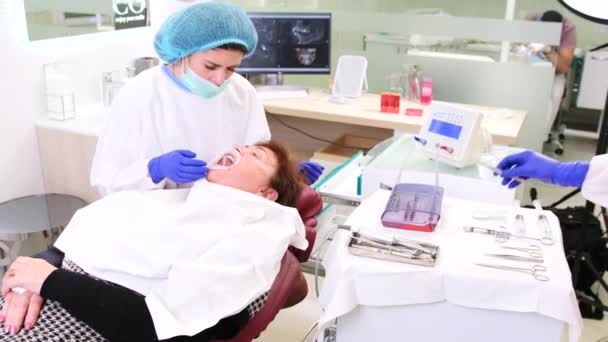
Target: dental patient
point(199, 256)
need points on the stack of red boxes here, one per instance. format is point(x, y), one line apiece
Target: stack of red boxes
point(389, 102)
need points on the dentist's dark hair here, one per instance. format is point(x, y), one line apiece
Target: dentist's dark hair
point(552, 17)
point(233, 47)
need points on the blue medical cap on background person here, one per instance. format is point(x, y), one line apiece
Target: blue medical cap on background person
point(203, 27)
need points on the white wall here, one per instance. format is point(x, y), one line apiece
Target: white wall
point(22, 90)
point(20, 167)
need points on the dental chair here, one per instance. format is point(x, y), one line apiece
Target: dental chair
point(289, 287)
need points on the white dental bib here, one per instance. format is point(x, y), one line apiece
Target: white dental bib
point(197, 254)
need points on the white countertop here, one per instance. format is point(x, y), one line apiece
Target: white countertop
point(503, 124)
point(88, 121)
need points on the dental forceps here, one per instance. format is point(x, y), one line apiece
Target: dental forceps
point(533, 251)
point(390, 240)
point(535, 271)
point(517, 258)
point(391, 248)
point(372, 245)
point(503, 236)
point(533, 254)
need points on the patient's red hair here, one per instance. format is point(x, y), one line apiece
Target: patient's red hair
point(287, 180)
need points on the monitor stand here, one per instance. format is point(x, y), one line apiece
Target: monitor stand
point(271, 86)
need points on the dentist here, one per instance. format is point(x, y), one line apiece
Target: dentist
point(168, 121)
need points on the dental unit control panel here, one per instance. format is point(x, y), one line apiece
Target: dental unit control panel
point(452, 135)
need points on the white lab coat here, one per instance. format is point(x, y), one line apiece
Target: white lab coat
point(595, 186)
point(153, 115)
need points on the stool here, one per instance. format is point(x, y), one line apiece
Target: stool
point(23, 217)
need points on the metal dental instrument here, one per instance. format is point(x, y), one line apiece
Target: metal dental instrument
point(543, 223)
point(390, 240)
point(371, 245)
point(516, 257)
point(385, 187)
point(535, 271)
point(499, 171)
point(519, 224)
point(533, 250)
point(545, 228)
point(410, 253)
point(502, 236)
point(383, 247)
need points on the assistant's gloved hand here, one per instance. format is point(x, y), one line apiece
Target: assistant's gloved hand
point(179, 166)
point(312, 171)
point(529, 164)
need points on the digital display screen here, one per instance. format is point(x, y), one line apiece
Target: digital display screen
point(445, 128)
point(290, 43)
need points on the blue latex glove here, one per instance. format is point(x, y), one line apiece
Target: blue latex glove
point(312, 171)
point(179, 166)
point(529, 164)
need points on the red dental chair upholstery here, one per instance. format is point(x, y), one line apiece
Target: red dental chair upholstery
point(309, 205)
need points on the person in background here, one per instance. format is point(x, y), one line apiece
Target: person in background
point(561, 56)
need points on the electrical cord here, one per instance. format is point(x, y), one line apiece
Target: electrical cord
point(274, 117)
point(310, 330)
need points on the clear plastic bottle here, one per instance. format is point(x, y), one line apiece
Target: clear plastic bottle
point(413, 83)
point(395, 83)
point(59, 91)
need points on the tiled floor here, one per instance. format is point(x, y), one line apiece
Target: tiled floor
point(292, 324)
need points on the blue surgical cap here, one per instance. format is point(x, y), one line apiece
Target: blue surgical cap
point(203, 27)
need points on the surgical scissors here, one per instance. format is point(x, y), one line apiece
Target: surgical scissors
point(535, 271)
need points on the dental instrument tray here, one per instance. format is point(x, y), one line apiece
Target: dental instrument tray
point(393, 249)
point(413, 207)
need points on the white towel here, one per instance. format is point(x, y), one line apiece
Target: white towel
point(352, 280)
point(198, 255)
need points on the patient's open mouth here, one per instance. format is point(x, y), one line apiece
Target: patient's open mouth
point(226, 160)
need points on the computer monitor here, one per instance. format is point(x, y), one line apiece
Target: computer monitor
point(290, 43)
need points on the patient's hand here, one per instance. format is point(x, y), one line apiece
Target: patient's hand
point(20, 310)
point(26, 273)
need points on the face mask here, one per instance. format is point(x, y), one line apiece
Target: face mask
point(200, 86)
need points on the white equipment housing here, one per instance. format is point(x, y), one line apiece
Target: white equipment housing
point(452, 134)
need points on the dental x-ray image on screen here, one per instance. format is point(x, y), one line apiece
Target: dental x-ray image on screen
point(290, 43)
